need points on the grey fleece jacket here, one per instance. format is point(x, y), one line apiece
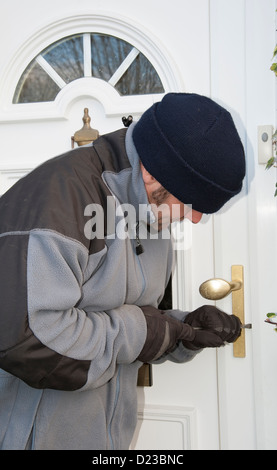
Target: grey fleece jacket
point(71, 326)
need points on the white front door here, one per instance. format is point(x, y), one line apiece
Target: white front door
point(216, 401)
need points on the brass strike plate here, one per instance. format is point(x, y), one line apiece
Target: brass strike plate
point(145, 376)
point(238, 309)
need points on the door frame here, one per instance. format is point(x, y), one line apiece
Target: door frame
point(262, 206)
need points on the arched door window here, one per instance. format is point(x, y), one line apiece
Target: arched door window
point(96, 55)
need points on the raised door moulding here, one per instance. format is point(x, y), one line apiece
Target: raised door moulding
point(165, 428)
point(8, 177)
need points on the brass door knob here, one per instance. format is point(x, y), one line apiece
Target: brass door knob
point(216, 289)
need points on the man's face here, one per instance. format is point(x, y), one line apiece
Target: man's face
point(167, 209)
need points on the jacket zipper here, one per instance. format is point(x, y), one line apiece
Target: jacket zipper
point(139, 251)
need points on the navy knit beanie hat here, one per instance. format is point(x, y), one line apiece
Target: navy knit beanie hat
point(190, 145)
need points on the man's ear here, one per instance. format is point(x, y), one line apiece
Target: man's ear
point(150, 183)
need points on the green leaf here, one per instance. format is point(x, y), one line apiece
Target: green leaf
point(274, 68)
point(271, 315)
point(270, 163)
point(275, 194)
point(274, 52)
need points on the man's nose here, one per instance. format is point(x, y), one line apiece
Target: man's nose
point(194, 216)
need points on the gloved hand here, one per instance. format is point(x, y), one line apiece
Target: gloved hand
point(211, 320)
point(164, 333)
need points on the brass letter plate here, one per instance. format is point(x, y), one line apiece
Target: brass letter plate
point(238, 310)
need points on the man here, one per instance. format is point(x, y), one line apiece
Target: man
point(81, 281)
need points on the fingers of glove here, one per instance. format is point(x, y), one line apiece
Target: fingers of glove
point(208, 339)
point(204, 339)
point(228, 327)
point(234, 329)
point(205, 317)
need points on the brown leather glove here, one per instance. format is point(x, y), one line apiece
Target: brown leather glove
point(212, 321)
point(163, 334)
